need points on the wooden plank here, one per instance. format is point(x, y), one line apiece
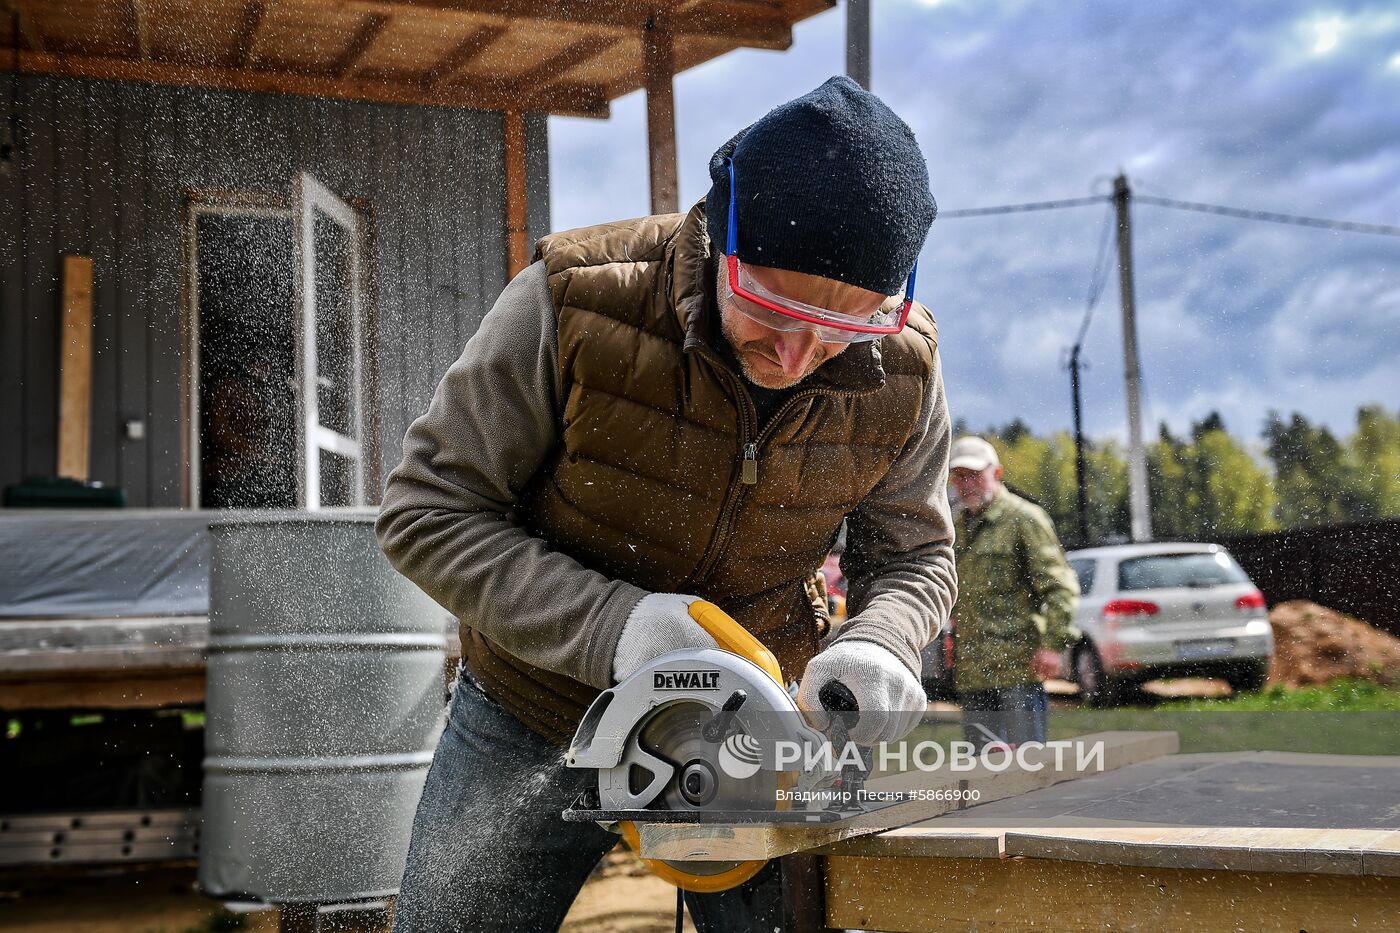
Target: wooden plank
point(686, 841)
point(75, 375)
point(549, 71)
point(909, 895)
point(661, 118)
point(1303, 851)
point(761, 27)
point(463, 54)
point(911, 842)
point(134, 690)
point(248, 32)
point(139, 25)
point(517, 249)
point(569, 100)
point(370, 30)
point(33, 38)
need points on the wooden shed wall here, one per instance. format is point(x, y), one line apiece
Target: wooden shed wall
point(105, 168)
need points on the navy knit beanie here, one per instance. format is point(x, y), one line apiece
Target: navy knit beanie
point(830, 184)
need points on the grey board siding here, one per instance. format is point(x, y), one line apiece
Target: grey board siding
point(106, 168)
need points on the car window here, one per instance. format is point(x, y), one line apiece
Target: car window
point(1083, 569)
point(1164, 571)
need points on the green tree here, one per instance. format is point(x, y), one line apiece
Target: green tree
point(1373, 459)
point(1207, 487)
point(1236, 494)
point(1312, 478)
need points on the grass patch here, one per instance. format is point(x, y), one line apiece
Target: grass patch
point(1336, 697)
point(1346, 717)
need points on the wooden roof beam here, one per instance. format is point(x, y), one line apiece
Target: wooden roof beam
point(743, 24)
point(31, 36)
point(248, 32)
point(463, 54)
point(571, 100)
point(554, 67)
point(138, 23)
point(370, 30)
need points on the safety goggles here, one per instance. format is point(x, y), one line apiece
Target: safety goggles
point(788, 314)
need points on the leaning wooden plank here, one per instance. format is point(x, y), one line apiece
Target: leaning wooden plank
point(915, 895)
point(75, 369)
point(1044, 767)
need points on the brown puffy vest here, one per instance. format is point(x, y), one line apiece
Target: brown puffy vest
point(650, 483)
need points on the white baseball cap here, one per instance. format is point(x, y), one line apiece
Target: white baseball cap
point(973, 453)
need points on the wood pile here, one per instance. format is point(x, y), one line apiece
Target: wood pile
point(1314, 645)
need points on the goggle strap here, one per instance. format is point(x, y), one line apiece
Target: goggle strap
point(731, 234)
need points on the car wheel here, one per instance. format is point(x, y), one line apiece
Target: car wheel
point(1247, 676)
point(1096, 689)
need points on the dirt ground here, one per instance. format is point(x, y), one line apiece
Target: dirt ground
point(621, 897)
point(1314, 645)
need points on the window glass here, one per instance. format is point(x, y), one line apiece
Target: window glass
point(1083, 568)
point(1165, 571)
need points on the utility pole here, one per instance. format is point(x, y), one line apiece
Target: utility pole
point(1140, 518)
point(1081, 480)
point(858, 42)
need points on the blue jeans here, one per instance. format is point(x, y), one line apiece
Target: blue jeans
point(1014, 715)
point(490, 851)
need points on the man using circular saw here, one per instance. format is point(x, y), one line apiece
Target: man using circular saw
point(663, 409)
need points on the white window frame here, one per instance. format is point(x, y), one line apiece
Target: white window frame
point(313, 437)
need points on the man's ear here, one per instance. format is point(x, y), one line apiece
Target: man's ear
point(997, 473)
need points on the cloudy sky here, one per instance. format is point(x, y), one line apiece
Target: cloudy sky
point(1278, 106)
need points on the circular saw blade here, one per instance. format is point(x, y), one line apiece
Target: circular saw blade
point(674, 732)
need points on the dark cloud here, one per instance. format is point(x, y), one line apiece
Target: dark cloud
point(1241, 104)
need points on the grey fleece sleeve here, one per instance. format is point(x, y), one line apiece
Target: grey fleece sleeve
point(446, 520)
point(899, 543)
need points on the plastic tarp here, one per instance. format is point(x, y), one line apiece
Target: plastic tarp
point(104, 564)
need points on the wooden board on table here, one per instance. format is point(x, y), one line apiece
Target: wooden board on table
point(696, 842)
point(1333, 814)
point(906, 895)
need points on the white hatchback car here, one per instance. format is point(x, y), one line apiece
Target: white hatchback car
point(1166, 610)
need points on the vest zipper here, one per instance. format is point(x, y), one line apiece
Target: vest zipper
point(748, 461)
point(748, 473)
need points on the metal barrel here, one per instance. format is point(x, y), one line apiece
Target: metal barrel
point(324, 706)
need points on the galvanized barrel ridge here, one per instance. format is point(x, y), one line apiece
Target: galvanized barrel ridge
point(324, 705)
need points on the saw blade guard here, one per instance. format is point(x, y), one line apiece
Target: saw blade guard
point(695, 675)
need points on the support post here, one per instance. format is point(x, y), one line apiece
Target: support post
point(517, 237)
point(1140, 517)
point(1081, 480)
point(858, 42)
point(661, 116)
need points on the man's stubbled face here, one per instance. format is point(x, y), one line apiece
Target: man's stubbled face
point(775, 359)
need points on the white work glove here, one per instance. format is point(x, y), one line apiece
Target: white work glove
point(659, 624)
point(889, 698)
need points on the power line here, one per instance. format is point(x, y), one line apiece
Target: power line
point(1267, 216)
point(1271, 217)
point(1097, 280)
point(1022, 208)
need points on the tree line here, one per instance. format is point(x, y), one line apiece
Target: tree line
point(1209, 484)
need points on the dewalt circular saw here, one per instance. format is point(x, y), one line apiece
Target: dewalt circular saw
point(701, 735)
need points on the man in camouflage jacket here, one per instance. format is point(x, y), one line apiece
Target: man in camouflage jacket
point(1015, 611)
